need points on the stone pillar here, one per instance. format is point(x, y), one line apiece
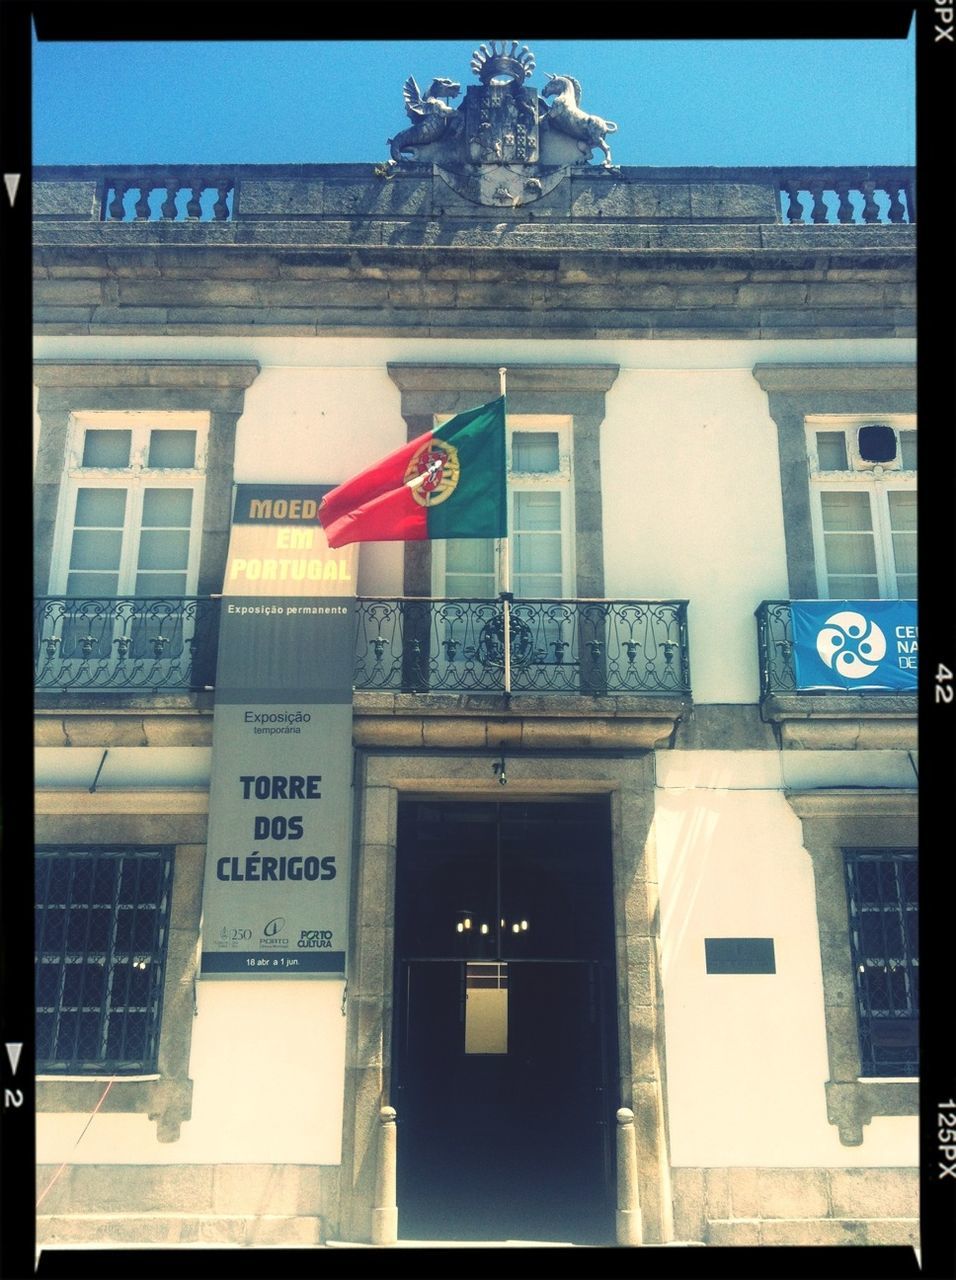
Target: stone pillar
point(385, 1209)
point(629, 1227)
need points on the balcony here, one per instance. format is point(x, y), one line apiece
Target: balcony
point(824, 718)
point(407, 645)
point(124, 644)
point(591, 647)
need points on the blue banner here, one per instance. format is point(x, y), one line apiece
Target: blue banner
point(855, 644)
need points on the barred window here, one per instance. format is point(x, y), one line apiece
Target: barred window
point(102, 924)
point(884, 921)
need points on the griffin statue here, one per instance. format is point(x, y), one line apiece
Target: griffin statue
point(430, 115)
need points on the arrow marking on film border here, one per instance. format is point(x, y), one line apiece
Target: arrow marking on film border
point(11, 181)
point(13, 1053)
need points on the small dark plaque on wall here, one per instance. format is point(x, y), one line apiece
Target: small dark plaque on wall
point(740, 955)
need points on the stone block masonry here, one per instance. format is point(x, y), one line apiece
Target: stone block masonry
point(337, 250)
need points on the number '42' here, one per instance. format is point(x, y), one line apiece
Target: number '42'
point(944, 684)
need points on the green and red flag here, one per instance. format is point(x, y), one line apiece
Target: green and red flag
point(449, 483)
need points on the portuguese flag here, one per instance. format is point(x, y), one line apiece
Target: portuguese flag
point(449, 483)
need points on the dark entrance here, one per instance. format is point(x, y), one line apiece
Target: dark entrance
point(505, 1045)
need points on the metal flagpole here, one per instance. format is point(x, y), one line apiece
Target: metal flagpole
point(504, 564)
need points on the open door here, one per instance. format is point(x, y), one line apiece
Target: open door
point(505, 1048)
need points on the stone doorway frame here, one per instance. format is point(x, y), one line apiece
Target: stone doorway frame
point(382, 777)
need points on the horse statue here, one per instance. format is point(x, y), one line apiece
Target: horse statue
point(565, 114)
point(430, 116)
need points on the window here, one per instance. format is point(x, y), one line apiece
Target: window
point(863, 506)
point(884, 920)
point(131, 509)
point(540, 522)
point(862, 842)
point(102, 923)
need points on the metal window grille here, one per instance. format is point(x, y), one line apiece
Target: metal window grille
point(102, 925)
point(884, 924)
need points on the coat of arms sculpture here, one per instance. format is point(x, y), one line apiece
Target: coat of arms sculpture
point(505, 144)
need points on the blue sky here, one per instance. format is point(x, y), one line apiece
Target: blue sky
point(727, 102)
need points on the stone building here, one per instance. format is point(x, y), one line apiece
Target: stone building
point(696, 870)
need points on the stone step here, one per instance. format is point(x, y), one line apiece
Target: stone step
point(813, 1231)
point(178, 1228)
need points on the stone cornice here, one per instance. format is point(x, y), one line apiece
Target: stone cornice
point(455, 279)
point(800, 379)
point(864, 802)
point(530, 723)
point(67, 800)
point(521, 377)
point(208, 374)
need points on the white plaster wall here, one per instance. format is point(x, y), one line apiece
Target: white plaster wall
point(746, 1053)
point(693, 510)
point(691, 482)
point(323, 425)
point(785, 770)
point(268, 1065)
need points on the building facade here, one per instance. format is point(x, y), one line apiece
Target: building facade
point(692, 1016)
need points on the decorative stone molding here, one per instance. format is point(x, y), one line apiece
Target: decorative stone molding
point(106, 724)
point(833, 820)
point(853, 1104)
point(80, 804)
point(215, 387)
point(575, 390)
point(531, 722)
point(167, 1098)
point(590, 259)
point(797, 390)
point(382, 779)
point(844, 722)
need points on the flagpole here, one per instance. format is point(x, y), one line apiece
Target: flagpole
point(504, 563)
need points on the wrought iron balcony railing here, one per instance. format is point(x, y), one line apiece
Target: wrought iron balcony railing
point(125, 643)
point(408, 644)
point(775, 650)
point(775, 647)
point(557, 646)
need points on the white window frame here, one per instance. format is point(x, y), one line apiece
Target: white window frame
point(875, 480)
point(134, 479)
point(560, 481)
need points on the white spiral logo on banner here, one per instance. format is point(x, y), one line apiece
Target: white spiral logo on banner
point(851, 644)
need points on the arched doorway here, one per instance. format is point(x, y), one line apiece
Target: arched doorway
point(505, 1051)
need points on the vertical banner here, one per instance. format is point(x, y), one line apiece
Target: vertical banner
point(275, 895)
point(855, 644)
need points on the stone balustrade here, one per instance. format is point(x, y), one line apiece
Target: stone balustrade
point(167, 196)
point(355, 249)
point(635, 195)
point(847, 196)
